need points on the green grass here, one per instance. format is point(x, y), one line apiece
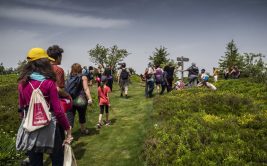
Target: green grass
point(122, 142)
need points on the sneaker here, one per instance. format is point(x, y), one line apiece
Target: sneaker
point(108, 123)
point(85, 131)
point(99, 125)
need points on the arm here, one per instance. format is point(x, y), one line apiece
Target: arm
point(86, 89)
point(59, 113)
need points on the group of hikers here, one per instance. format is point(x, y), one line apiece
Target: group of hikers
point(154, 75)
point(48, 102)
point(65, 97)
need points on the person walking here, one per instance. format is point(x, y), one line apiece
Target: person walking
point(170, 76)
point(149, 76)
point(124, 79)
point(38, 73)
point(81, 96)
point(215, 74)
point(55, 52)
point(164, 83)
point(109, 74)
point(103, 102)
point(193, 72)
point(158, 77)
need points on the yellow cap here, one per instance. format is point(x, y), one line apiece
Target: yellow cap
point(38, 53)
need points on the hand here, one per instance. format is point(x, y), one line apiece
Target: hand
point(68, 140)
point(90, 101)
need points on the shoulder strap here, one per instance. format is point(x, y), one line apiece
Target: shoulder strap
point(37, 87)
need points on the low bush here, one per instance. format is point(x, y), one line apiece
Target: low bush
point(203, 127)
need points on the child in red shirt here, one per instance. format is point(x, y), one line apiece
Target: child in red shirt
point(103, 101)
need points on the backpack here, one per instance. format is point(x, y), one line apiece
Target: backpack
point(124, 74)
point(74, 85)
point(38, 114)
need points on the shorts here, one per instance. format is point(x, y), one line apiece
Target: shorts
point(102, 108)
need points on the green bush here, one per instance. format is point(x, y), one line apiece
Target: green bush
point(202, 127)
point(9, 119)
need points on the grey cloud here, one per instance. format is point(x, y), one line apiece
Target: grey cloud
point(47, 17)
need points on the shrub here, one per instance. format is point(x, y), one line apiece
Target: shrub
point(202, 127)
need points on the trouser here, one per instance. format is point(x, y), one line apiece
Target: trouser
point(163, 87)
point(110, 83)
point(57, 157)
point(150, 88)
point(169, 86)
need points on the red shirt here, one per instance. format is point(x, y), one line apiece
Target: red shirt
point(59, 76)
point(49, 91)
point(103, 95)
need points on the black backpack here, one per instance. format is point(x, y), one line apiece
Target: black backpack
point(73, 85)
point(124, 74)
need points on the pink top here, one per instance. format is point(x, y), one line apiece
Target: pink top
point(50, 93)
point(103, 95)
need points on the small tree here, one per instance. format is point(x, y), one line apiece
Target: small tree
point(231, 57)
point(107, 56)
point(21, 64)
point(2, 68)
point(254, 66)
point(159, 56)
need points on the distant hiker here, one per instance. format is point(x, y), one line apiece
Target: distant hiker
point(204, 80)
point(193, 74)
point(38, 73)
point(90, 76)
point(100, 71)
point(149, 75)
point(85, 70)
point(170, 77)
point(179, 85)
point(215, 74)
point(108, 72)
point(55, 52)
point(158, 77)
point(124, 79)
point(234, 73)
point(226, 73)
point(103, 101)
point(77, 87)
point(164, 83)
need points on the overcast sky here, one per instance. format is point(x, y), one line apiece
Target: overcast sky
point(197, 29)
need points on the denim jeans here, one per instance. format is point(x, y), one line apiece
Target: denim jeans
point(150, 88)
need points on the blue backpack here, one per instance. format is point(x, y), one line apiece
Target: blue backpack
point(73, 85)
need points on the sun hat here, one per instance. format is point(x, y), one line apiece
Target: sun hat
point(37, 53)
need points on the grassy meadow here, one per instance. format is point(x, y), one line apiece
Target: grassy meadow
point(190, 127)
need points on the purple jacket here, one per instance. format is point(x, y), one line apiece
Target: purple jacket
point(50, 93)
